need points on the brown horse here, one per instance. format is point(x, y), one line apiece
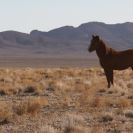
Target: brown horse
point(111, 59)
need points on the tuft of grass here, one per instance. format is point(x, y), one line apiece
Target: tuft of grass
point(97, 102)
point(2, 92)
point(124, 103)
point(117, 103)
point(30, 89)
point(130, 97)
point(73, 123)
point(76, 129)
point(20, 108)
point(129, 113)
point(106, 118)
point(97, 129)
point(47, 129)
point(5, 113)
point(102, 90)
point(30, 106)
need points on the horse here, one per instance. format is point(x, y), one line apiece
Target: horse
point(109, 58)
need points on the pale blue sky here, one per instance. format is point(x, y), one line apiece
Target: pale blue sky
point(26, 15)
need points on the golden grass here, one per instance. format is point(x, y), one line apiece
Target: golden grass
point(5, 113)
point(66, 100)
point(30, 106)
point(47, 129)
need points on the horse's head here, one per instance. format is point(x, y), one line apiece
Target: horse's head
point(94, 43)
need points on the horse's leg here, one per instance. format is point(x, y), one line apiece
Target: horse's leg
point(111, 77)
point(132, 67)
point(108, 77)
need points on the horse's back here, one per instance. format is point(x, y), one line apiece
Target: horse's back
point(123, 54)
point(118, 60)
point(123, 59)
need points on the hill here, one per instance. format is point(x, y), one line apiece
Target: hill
point(67, 41)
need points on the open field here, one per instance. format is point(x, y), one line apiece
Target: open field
point(65, 100)
point(34, 62)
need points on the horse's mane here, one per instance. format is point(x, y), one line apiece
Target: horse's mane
point(108, 50)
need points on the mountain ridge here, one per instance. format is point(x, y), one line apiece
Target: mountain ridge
point(66, 41)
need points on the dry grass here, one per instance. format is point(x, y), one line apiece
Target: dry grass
point(106, 117)
point(74, 124)
point(65, 100)
point(30, 106)
point(129, 113)
point(47, 129)
point(5, 113)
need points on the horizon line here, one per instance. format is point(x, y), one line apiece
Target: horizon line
point(66, 26)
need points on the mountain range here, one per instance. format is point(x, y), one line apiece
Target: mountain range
point(65, 42)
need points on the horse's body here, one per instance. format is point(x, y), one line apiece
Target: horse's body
point(111, 59)
point(117, 60)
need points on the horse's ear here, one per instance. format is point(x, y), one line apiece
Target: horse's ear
point(97, 37)
point(93, 36)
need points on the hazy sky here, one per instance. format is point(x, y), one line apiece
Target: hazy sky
point(26, 15)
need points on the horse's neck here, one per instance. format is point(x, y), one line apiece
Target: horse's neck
point(102, 50)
